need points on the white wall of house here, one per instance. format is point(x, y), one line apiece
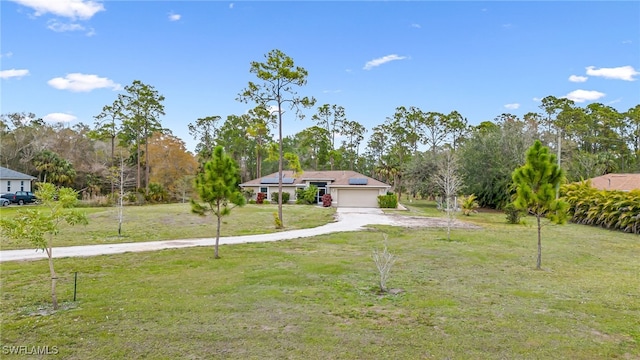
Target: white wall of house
point(269, 189)
point(12, 185)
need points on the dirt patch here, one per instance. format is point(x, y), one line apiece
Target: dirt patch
point(426, 222)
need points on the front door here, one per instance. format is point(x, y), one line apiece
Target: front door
point(321, 192)
point(322, 189)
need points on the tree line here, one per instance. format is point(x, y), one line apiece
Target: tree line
point(404, 150)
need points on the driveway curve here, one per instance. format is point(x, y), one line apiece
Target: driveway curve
point(347, 219)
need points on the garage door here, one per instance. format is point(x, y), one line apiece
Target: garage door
point(366, 198)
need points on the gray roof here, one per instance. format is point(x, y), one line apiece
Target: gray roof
point(8, 174)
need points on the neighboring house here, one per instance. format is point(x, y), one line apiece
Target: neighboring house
point(347, 188)
point(621, 182)
point(12, 181)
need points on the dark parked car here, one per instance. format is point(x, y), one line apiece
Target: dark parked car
point(20, 197)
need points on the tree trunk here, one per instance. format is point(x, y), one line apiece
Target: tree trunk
point(146, 163)
point(217, 256)
point(539, 262)
point(258, 164)
point(138, 162)
point(113, 150)
point(559, 160)
point(280, 161)
point(54, 279)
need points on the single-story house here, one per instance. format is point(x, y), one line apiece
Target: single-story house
point(620, 182)
point(347, 188)
point(12, 181)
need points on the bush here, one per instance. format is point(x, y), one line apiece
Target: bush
point(610, 209)
point(248, 194)
point(468, 204)
point(307, 195)
point(514, 215)
point(260, 197)
point(276, 221)
point(326, 200)
point(388, 201)
point(285, 197)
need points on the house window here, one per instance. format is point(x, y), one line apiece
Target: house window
point(8, 185)
point(263, 189)
point(21, 185)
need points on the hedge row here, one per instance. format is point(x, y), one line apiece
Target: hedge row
point(389, 201)
point(616, 210)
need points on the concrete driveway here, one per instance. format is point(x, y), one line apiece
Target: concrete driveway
point(347, 219)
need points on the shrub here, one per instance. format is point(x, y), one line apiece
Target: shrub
point(388, 201)
point(285, 197)
point(276, 221)
point(326, 200)
point(248, 194)
point(260, 197)
point(156, 193)
point(469, 204)
point(610, 209)
point(131, 197)
point(514, 215)
point(307, 195)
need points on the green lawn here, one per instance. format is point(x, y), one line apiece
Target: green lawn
point(475, 297)
point(175, 221)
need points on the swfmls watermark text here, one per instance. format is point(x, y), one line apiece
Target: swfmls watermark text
point(29, 350)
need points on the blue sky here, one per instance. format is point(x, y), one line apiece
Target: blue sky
point(65, 59)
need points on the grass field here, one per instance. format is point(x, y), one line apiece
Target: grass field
point(475, 297)
point(175, 221)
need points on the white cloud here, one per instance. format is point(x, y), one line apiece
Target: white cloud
point(383, 60)
point(578, 79)
point(626, 73)
point(230, 5)
point(513, 106)
point(77, 82)
point(417, 26)
point(581, 96)
point(7, 54)
point(58, 26)
point(59, 118)
point(73, 9)
point(507, 26)
point(627, 41)
point(537, 99)
point(174, 17)
point(331, 91)
point(13, 73)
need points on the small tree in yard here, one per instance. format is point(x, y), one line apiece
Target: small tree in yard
point(536, 183)
point(217, 186)
point(39, 226)
point(384, 260)
point(449, 181)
